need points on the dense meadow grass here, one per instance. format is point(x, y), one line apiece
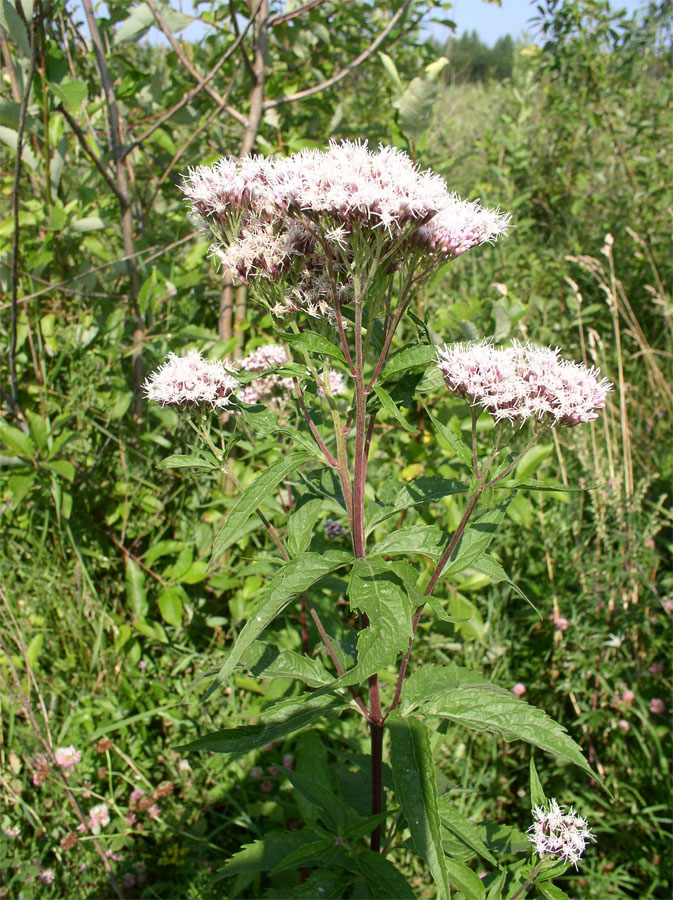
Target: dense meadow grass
point(109, 612)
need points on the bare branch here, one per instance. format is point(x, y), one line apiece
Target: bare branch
point(97, 161)
point(340, 75)
point(279, 18)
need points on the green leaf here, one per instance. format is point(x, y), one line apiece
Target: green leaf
point(416, 792)
point(467, 881)
point(250, 737)
point(182, 461)
point(293, 578)
point(261, 856)
point(252, 497)
point(550, 892)
point(89, 223)
point(390, 407)
point(163, 548)
point(10, 137)
point(455, 442)
point(461, 696)
point(415, 357)
point(61, 467)
point(422, 490)
point(39, 428)
point(427, 540)
point(336, 814)
point(303, 855)
point(467, 831)
point(391, 69)
point(474, 541)
point(135, 589)
point(136, 25)
point(467, 618)
point(170, 605)
point(16, 440)
point(70, 93)
point(533, 484)
point(12, 22)
point(384, 880)
point(327, 884)
point(417, 107)
point(537, 797)
point(267, 661)
point(34, 649)
point(312, 342)
point(489, 566)
point(531, 460)
point(301, 522)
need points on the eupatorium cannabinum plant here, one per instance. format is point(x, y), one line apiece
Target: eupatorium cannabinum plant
point(334, 244)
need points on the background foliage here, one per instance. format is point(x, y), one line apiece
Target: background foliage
point(109, 610)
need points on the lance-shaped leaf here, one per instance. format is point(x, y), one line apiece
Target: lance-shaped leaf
point(451, 692)
point(468, 832)
point(415, 357)
point(251, 498)
point(392, 409)
point(416, 792)
point(249, 737)
point(455, 442)
point(312, 342)
point(427, 540)
point(475, 540)
point(261, 856)
point(267, 661)
point(293, 578)
point(422, 490)
point(384, 881)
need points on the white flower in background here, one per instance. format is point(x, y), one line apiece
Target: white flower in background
point(191, 380)
point(523, 381)
point(337, 384)
point(556, 832)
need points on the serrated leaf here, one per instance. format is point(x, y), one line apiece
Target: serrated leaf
point(415, 357)
point(490, 567)
point(267, 661)
point(323, 883)
point(335, 813)
point(467, 881)
point(427, 540)
point(426, 489)
point(261, 856)
point(250, 737)
point(475, 541)
point(416, 792)
point(383, 879)
point(303, 855)
point(467, 831)
point(252, 497)
point(455, 442)
point(293, 578)
point(390, 407)
point(461, 696)
point(312, 342)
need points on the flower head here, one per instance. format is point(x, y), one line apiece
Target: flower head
point(67, 757)
point(519, 689)
point(270, 387)
point(657, 706)
point(191, 380)
point(99, 817)
point(523, 381)
point(46, 876)
point(556, 832)
point(334, 528)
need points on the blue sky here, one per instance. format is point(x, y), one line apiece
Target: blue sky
point(513, 17)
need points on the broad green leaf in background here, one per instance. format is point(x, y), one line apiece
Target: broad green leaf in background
point(182, 461)
point(427, 540)
point(467, 831)
point(16, 440)
point(170, 605)
point(251, 498)
point(475, 541)
point(549, 891)
point(416, 792)
point(426, 489)
point(467, 881)
point(313, 343)
point(293, 578)
point(12, 22)
point(301, 522)
point(135, 589)
point(267, 661)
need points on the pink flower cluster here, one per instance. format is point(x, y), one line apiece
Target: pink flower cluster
point(556, 832)
point(524, 381)
point(265, 214)
point(191, 380)
point(272, 388)
point(67, 757)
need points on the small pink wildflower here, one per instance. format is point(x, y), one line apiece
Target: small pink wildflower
point(46, 876)
point(131, 818)
point(256, 773)
point(649, 543)
point(115, 857)
point(13, 831)
point(99, 817)
point(136, 795)
point(519, 689)
point(191, 380)
point(288, 761)
point(657, 706)
point(154, 812)
point(142, 664)
point(523, 381)
point(561, 624)
point(273, 771)
point(623, 725)
point(266, 786)
point(67, 757)
point(668, 605)
point(628, 696)
point(656, 668)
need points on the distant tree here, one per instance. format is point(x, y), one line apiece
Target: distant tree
point(470, 59)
